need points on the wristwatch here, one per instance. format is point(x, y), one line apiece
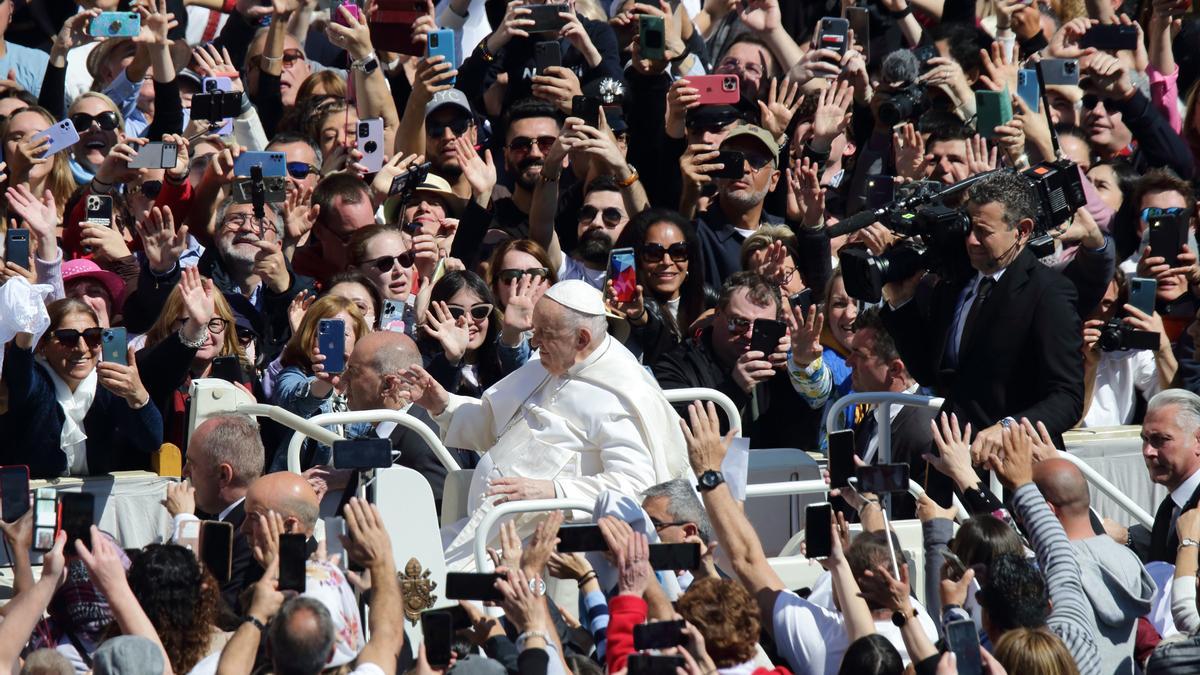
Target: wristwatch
point(899, 618)
point(1188, 542)
point(537, 586)
point(709, 480)
point(367, 64)
point(257, 624)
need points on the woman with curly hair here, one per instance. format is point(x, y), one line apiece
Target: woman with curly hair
point(181, 600)
point(727, 616)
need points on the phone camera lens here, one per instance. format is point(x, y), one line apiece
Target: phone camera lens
point(433, 40)
point(114, 27)
point(370, 147)
point(1070, 67)
point(729, 84)
point(364, 130)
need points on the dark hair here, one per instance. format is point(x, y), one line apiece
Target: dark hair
point(486, 358)
point(59, 310)
point(180, 599)
point(1015, 594)
point(885, 347)
point(602, 184)
point(949, 132)
point(1125, 224)
point(1009, 190)
point(300, 654)
point(693, 296)
point(964, 42)
point(942, 124)
point(347, 186)
point(289, 137)
point(1163, 180)
point(871, 655)
point(356, 249)
point(748, 37)
point(981, 539)
point(353, 275)
point(21, 95)
point(528, 108)
point(760, 291)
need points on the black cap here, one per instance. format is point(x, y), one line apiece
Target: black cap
point(245, 314)
point(712, 115)
point(615, 117)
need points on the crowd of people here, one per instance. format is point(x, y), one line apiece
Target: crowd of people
point(520, 228)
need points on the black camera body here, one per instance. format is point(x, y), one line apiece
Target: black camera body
point(906, 104)
point(1115, 336)
point(1059, 191)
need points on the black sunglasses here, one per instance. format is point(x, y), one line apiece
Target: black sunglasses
point(478, 312)
point(1090, 101)
point(301, 170)
point(69, 337)
point(611, 215)
point(654, 252)
point(384, 263)
point(525, 144)
point(457, 126)
point(150, 188)
point(510, 275)
point(83, 121)
point(757, 160)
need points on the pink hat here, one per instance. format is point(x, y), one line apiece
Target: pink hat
point(82, 268)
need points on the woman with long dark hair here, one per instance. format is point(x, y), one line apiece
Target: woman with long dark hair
point(460, 329)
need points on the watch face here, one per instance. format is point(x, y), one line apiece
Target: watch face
point(710, 479)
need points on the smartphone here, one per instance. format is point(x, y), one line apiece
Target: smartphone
point(363, 453)
point(841, 458)
point(115, 24)
point(962, 638)
point(1168, 234)
point(658, 635)
point(16, 247)
point(213, 85)
point(14, 492)
point(674, 556)
point(860, 23)
point(651, 38)
point(45, 518)
point(331, 342)
point(1028, 88)
point(438, 632)
point(62, 135)
point(653, 664)
point(76, 513)
point(881, 190)
point(354, 10)
point(393, 316)
point(717, 89)
point(993, 109)
point(156, 155)
point(622, 272)
point(472, 586)
point(391, 26)
point(370, 144)
point(292, 556)
point(216, 106)
point(216, 548)
point(1142, 293)
point(881, 478)
point(228, 368)
point(459, 619)
point(1060, 71)
point(273, 164)
point(98, 210)
point(586, 108)
point(818, 542)
point(957, 568)
point(1110, 37)
point(766, 335)
point(546, 18)
point(441, 43)
point(802, 300)
point(581, 539)
point(410, 179)
point(833, 33)
point(733, 164)
point(546, 54)
point(114, 346)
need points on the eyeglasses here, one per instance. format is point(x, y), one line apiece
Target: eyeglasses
point(457, 126)
point(69, 337)
point(239, 220)
point(478, 312)
point(150, 188)
point(384, 263)
point(733, 63)
point(291, 56)
point(654, 252)
point(1154, 212)
point(659, 526)
point(737, 325)
point(106, 120)
point(1090, 101)
point(510, 275)
point(301, 170)
point(216, 325)
point(525, 144)
point(611, 215)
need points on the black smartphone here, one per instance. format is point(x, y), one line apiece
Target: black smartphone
point(962, 638)
point(882, 478)
point(1168, 234)
point(459, 619)
point(818, 539)
point(1110, 37)
point(658, 635)
point(802, 299)
point(410, 179)
point(363, 453)
point(881, 190)
point(16, 247)
point(860, 23)
point(733, 164)
point(217, 106)
point(14, 492)
point(653, 664)
point(438, 631)
point(547, 54)
point(581, 539)
point(766, 336)
point(76, 513)
point(546, 18)
point(833, 33)
point(841, 458)
point(472, 586)
point(98, 210)
point(216, 548)
point(586, 108)
point(674, 556)
point(293, 553)
point(228, 368)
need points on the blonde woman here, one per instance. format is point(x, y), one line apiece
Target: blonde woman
point(25, 163)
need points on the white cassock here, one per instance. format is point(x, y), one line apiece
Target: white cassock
point(605, 425)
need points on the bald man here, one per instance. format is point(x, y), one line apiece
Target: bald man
point(1117, 586)
point(286, 493)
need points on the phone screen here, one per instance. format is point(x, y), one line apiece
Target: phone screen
point(881, 190)
point(292, 556)
point(622, 272)
point(75, 511)
point(963, 639)
point(363, 453)
point(438, 630)
point(881, 478)
point(653, 664)
point(658, 635)
point(674, 556)
point(841, 458)
point(1168, 233)
point(216, 548)
point(14, 492)
point(818, 542)
point(581, 539)
point(472, 586)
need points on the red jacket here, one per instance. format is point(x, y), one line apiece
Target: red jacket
point(625, 612)
point(177, 197)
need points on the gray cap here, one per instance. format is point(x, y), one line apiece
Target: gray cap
point(127, 655)
point(453, 97)
point(474, 664)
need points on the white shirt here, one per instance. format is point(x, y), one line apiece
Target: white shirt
point(964, 308)
point(1119, 376)
point(1186, 489)
point(182, 518)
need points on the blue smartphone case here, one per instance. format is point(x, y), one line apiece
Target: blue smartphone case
point(331, 342)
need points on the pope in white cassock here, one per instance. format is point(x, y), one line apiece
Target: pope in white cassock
point(581, 417)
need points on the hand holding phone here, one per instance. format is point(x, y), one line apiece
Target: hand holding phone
point(818, 533)
point(331, 343)
point(622, 272)
point(292, 557)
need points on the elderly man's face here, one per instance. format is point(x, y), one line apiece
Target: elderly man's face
point(558, 343)
point(669, 531)
point(1171, 452)
point(240, 233)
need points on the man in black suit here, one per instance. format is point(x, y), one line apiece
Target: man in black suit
point(1004, 342)
point(225, 454)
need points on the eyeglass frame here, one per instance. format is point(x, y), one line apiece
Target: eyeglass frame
point(470, 311)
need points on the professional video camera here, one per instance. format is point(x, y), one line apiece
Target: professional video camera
point(908, 101)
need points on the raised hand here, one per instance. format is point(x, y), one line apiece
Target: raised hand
point(433, 75)
point(41, 215)
point(516, 21)
point(702, 432)
point(1014, 465)
point(518, 314)
point(156, 23)
point(806, 197)
point(423, 390)
point(75, 31)
point(398, 164)
point(829, 119)
point(181, 498)
point(1041, 445)
point(634, 310)
point(269, 262)
point(298, 216)
point(557, 85)
point(354, 37)
point(574, 32)
point(161, 242)
point(806, 336)
point(367, 542)
point(908, 151)
point(480, 172)
point(783, 99)
point(954, 451)
point(453, 334)
point(541, 545)
point(633, 566)
point(999, 71)
point(124, 381)
point(213, 63)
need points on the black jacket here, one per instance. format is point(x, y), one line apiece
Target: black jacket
point(1161, 543)
point(911, 438)
point(721, 248)
point(1022, 358)
point(244, 569)
point(416, 454)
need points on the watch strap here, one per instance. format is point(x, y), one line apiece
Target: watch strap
point(257, 624)
point(1188, 542)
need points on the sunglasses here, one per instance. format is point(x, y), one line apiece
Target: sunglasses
point(478, 312)
point(611, 215)
point(757, 160)
point(458, 127)
point(1155, 211)
point(301, 170)
point(106, 120)
point(69, 337)
point(384, 263)
point(510, 275)
point(1090, 101)
point(525, 144)
point(654, 252)
point(150, 188)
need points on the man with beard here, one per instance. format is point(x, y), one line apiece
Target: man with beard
point(448, 116)
point(602, 218)
point(532, 128)
point(248, 260)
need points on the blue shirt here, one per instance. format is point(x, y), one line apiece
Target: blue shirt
point(28, 64)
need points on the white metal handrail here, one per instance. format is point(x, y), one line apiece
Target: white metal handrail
point(1111, 491)
point(489, 520)
point(885, 400)
point(704, 394)
point(804, 487)
point(400, 417)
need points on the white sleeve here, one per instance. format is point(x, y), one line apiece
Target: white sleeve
point(803, 631)
point(1183, 605)
point(625, 456)
point(1146, 373)
point(467, 423)
point(180, 519)
point(367, 669)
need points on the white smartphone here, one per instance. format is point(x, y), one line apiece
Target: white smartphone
point(62, 136)
point(370, 143)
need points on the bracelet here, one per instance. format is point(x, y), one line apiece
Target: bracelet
point(197, 343)
point(633, 178)
point(483, 51)
point(257, 624)
point(535, 633)
point(588, 577)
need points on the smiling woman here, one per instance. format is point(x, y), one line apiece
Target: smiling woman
point(459, 340)
point(100, 126)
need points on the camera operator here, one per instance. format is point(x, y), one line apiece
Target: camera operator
point(1112, 374)
point(1003, 343)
